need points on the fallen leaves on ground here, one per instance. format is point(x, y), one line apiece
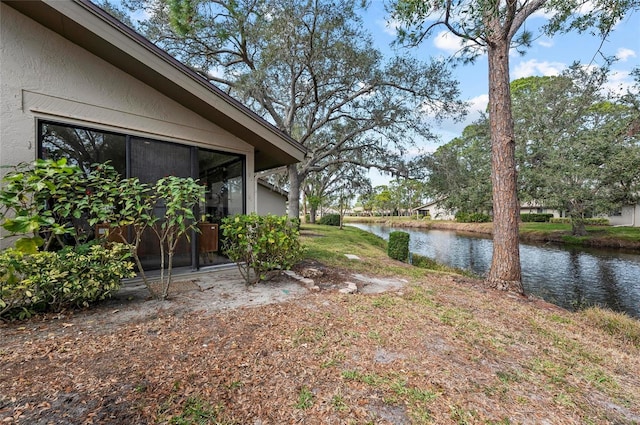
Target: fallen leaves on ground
point(441, 350)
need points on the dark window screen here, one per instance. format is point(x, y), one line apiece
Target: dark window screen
point(150, 161)
point(222, 174)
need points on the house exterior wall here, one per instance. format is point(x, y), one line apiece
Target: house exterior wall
point(438, 213)
point(536, 210)
point(270, 202)
point(630, 216)
point(435, 211)
point(45, 76)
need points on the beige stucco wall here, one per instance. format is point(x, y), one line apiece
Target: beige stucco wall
point(45, 76)
point(270, 202)
point(630, 216)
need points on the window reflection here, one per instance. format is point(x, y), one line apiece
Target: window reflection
point(83, 147)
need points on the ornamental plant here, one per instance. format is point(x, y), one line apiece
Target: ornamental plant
point(398, 247)
point(48, 281)
point(134, 209)
point(178, 196)
point(259, 244)
point(51, 205)
point(330, 220)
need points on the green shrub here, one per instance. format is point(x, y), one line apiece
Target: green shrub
point(52, 281)
point(50, 205)
point(535, 218)
point(398, 247)
point(423, 262)
point(465, 217)
point(261, 244)
point(330, 220)
point(598, 221)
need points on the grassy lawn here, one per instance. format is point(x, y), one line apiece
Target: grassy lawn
point(442, 349)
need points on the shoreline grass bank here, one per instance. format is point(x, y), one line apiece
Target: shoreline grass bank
point(598, 236)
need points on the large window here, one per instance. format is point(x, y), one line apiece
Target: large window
point(82, 146)
point(148, 159)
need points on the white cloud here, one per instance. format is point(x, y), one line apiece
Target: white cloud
point(478, 104)
point(536, 67)
point(546, 43)
point(448, 42)
point(389, 26)
point(449, 129)
point(541, 13)
point(624, 54)
point(586, 7)
point(619, 82)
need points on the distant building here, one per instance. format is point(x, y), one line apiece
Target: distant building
point(435, 210)
point(628, 215)
point(271, 199)
point(534, 208)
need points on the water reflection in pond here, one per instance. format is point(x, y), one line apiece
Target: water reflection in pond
point(567, 276)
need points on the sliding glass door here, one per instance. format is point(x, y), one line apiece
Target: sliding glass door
point(222, 174)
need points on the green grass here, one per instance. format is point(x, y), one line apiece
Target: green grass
point(630, 234)
point(329, 244)
point(197, 411)
point(305, 399)
point(618, 325)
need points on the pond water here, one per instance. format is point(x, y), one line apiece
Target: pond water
point(570, 277)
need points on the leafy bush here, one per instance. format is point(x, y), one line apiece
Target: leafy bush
point(588, 221)
point(330, 220)
point(465, 217)
point(53, 281)
point(261, 244)
point(51, 205)
point(599, 221)
point(423, 262)
point(536, 218)
point(398, 247)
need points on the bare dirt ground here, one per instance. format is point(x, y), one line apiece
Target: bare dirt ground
point(443, 350)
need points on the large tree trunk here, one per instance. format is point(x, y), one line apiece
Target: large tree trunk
point(505, 273)
point(578, 227)
point(576, 214)
point(294, 191)
point(313, 210)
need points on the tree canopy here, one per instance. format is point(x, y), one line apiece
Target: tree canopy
point(495, 27)
point(577, 149)
point(309, 68)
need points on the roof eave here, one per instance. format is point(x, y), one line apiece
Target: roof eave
point(90, 27)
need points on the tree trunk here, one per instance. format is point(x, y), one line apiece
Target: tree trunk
point(576, 215)
point(578, 227)
point(313, 210)
point(294, 191)
point(505, 273)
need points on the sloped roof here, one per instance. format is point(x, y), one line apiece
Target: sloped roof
point(93, 29)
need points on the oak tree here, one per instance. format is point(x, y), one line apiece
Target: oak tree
point(309, 68)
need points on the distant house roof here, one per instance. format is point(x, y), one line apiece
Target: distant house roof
point(425, 206)
point(273, 188)
point(93, 29)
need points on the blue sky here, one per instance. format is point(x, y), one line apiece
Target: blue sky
point(547, 56)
